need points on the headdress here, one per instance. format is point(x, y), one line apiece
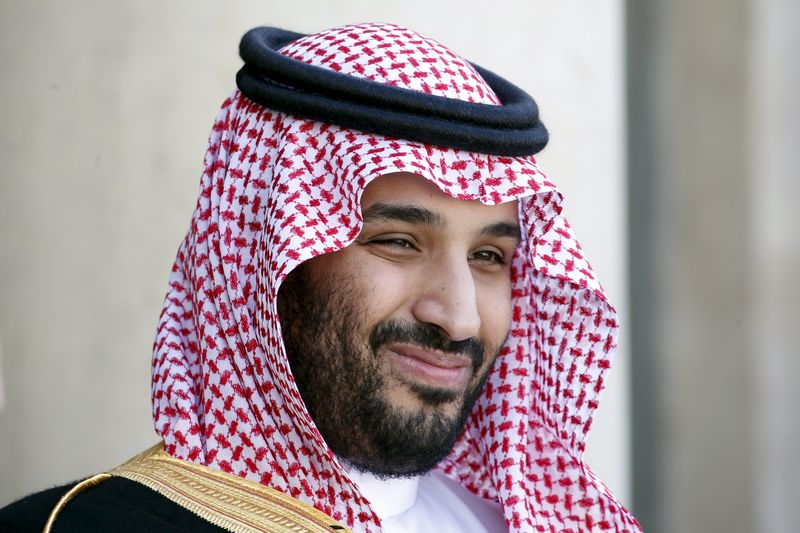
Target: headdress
point(282, 185)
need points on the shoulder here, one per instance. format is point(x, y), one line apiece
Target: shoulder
point(117, 504)
point(30, 513)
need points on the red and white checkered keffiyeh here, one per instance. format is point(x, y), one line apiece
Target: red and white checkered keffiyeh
point(278, 190)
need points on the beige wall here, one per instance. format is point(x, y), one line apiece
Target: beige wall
point(715, 168)
point(105, 111)
point(774, 113)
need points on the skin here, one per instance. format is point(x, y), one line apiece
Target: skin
point(421, 303)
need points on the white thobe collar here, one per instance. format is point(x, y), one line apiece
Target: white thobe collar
point(389, 496)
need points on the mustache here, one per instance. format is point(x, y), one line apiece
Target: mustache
point(427, 336)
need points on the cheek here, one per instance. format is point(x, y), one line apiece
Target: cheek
point(494, 306)
point(378, 289)
point(387, 289)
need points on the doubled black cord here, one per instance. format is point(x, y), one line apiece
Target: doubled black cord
point(286, 84)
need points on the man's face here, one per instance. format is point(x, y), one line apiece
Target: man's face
point(391, 338)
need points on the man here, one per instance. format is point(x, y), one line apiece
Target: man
point(378, 319)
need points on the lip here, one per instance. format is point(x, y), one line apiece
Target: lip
point(431, 367)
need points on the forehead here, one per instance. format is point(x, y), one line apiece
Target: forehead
point(403, 188)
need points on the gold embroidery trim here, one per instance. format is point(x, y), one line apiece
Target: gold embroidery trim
point(225, 500)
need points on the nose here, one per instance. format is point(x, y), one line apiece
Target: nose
point(448, 299)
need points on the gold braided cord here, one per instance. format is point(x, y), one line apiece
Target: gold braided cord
point(225, 500)
point(80, 487)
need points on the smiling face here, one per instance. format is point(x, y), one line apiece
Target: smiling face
point(390, 339)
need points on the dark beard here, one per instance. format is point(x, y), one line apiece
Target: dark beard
point(338, 373)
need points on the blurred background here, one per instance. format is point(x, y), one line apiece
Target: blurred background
point(674, 136)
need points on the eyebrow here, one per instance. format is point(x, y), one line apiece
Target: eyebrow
point(412, 214)
point(503, 229)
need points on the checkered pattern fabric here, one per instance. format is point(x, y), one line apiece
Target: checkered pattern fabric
point(278, 190)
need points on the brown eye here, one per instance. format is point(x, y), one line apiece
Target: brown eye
point(489, 257)
point(394, 243)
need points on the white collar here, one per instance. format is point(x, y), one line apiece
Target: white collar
point(388, 497)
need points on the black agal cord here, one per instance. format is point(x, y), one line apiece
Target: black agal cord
point(286, 84)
